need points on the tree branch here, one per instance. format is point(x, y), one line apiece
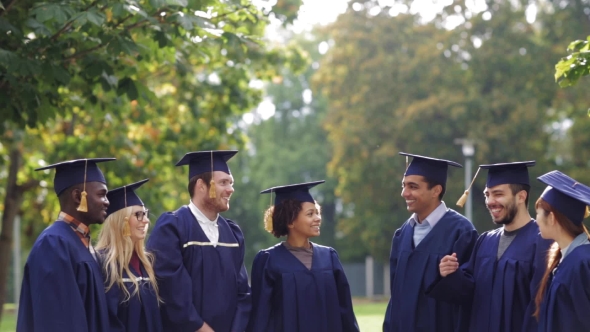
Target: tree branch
point(7, 8)
point(69, 24)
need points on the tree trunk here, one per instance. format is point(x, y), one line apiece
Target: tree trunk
point(12, 205)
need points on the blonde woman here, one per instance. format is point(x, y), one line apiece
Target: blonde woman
point(131, 287)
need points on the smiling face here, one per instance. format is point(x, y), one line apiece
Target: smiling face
point(224, 188)
point(138, 227)
point(97, 203)
point(308, 222)
point(501, 203)
point(419, 198)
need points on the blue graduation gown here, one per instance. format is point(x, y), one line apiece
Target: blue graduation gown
point(287, 297)
point(566, 305)
point(137, 314)
point(414, 269)
point(63, 288)
point(197, 281)
point(500, 292)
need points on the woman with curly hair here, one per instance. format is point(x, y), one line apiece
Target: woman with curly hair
point(563, 298)
point(298, 285)
point(132, 291)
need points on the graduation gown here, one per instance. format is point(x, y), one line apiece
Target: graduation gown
point(288, 297)
point(566, 304)
point(197, 281)
point(414, 269)
point(137, 314)
point(63, 288)
point(500, 292)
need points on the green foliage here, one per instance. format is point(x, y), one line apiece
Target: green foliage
point(576, 65)
point(395, 84)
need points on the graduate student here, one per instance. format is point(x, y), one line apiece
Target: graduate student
point(199, 255)
point(432, 232)
point(498, 284)
point(63, 288)
point(298, 285)
point(563, 299)
point(132, 291)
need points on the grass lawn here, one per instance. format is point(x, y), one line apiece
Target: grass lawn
point(368, 314)
point(8, 323)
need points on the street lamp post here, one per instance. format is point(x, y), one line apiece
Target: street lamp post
point(468, 149)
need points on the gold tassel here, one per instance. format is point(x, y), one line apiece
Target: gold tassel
point(461, 202)
point(83, 207)
point(126, 228)
point(212, 192)
point(268, 224)
point(587, 213)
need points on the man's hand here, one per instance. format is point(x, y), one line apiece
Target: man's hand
point(205, 328)
point(448, 265)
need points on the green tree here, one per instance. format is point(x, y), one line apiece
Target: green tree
point(576, 65)
point(288, 147)
point(143, 81)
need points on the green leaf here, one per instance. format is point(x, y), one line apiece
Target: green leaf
point(95, 18)
point(40, 29)
point(127, 86)
point(61, 75)
point(8, 57)
point(5, 26)
point(182, 3)
point(161, 38)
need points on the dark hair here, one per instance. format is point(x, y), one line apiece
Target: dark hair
point(554, 254)
point(283, 215)
point(516, 188)
point(206, 177)
point(431, 183)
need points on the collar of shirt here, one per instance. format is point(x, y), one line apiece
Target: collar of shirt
point(578, 241)
point(81, 230)
point(433, 217)
point(201, 218)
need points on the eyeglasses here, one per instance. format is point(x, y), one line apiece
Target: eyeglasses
point(140, 214)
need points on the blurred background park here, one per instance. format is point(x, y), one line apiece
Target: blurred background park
point(305, 89)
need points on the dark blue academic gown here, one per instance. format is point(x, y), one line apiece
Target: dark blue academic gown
point(137, 314)
point(500, 292)
point(414, 269)
point(63, 288)
point(288, 297)
point(197, 281)
point(566, 305)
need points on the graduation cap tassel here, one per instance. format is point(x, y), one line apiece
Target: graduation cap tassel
point(126, 227)
point(268, 219)
point(587, 213)
point(461, 202)
point(212, 193)
point(83, 207)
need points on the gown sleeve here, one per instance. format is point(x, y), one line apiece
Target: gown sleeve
point(458, 287)
point(242, 315)
point(572, 302)
point(51, 299)
point(174, 281)
point(349, 323)
point(393, 257)
point(262, 288)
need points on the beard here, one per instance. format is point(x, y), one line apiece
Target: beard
point(511, 212)
point(216, 204)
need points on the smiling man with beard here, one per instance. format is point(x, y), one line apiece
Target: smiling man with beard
point(500, 280)
point(63, 288)
point(199, 255)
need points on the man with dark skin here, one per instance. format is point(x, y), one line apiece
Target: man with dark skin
point(63, 288)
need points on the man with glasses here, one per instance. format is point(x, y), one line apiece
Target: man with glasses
point(200, 255)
